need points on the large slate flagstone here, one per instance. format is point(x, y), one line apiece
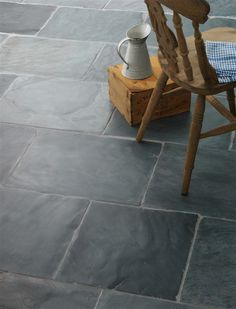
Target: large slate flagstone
point(48, 57)
point(35, 230)
point(23, 19)
point(96, 167)
point(57, 103)
point(131, 5)
point(211, 277)
point(131, 249)
point(118, 300)
point(90, 25)
point(98, 4)
point(13, 142)
point(212, 189)
point(219, 22)
point(20, 292)
point(222, 7)
point(18, 1)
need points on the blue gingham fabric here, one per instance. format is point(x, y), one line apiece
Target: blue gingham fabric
point(222, 56)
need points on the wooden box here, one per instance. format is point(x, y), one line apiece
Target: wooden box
point(130, 97)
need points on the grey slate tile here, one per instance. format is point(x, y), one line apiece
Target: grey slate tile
point(166, 129)
point(118, 300)
point(130, 5)
point(106, 26)
point(23, 19)
point(211, 276)
point(13, 142)
point(174, 129)
point(47, 57)
point(98, 4)
point(5, 82)
point(219, 22)
point(131, 249)
point(222, 8)
point(35, 230)
point(15, 1)
point(89, 166)
point(212, 187)
point(57, 103)
point(107, 57)
point(20, 292)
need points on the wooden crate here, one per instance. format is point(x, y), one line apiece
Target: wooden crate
point(130, 97)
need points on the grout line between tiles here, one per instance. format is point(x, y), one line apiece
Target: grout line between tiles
point(83, 133)
point(219, 218)
point(164, 300)
point(152, 174)
point(232, 139)
point(222, 17)
point(178, 296)
point(19, 159)
point(116, 203)
point(72, 241)
point(47, 21)
point(9, 87)
point(77, 284)
point(109, 1)
point(109, 121)
point(45, 278)
point(32, 75)
point(4, 40)
point(99, 296)
point(41, 37)
point(145, 16)
point(172, 211)
point(107, 203)
point(96, 133)
point(93, 61)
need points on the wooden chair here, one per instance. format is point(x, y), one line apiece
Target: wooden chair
point(184, 60)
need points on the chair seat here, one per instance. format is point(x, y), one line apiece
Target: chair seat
point(199, 85)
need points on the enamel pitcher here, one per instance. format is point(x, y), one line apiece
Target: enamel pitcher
point(136, 61)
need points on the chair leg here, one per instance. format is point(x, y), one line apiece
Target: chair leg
point(153, 102)
point(231, 100)
point(194, 138)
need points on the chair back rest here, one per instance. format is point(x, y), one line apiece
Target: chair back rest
point(195, 10)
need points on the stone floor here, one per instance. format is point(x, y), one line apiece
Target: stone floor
point(90, 219)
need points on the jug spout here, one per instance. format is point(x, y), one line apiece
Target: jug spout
point(136, 61)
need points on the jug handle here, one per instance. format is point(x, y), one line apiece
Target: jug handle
point(119, 52)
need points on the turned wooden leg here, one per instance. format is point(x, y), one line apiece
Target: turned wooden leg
point(231, 100)
point(194, 138)
point(153, 102)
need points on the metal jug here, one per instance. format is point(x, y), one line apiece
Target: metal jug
point(136, 61)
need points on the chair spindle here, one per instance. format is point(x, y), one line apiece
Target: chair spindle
point(183, 48)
